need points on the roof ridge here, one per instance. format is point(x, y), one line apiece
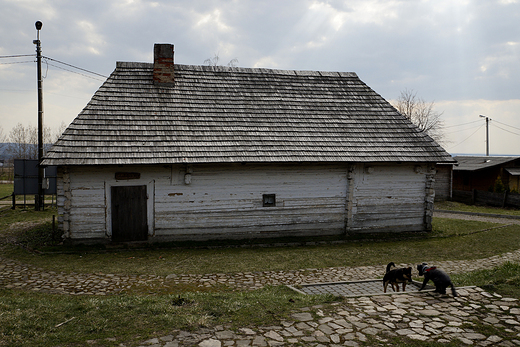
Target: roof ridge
point(318, 73)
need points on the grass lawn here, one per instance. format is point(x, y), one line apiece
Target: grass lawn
point(21, 223)
point(8, 188)
point(457, 206)
point(31, 319)
point(451, 240)
point(504, 279)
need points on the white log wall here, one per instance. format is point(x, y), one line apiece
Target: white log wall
point(443, 179)
point(220, 202)
point(388, 198)
point(225, 201)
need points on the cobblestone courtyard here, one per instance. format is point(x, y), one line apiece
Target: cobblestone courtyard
point(362, 320)
point(374, 321)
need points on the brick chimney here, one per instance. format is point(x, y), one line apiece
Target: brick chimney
point(163, 65)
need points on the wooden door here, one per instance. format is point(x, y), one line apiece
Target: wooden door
point(129, 221)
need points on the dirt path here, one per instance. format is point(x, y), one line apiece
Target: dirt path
point(476, 217)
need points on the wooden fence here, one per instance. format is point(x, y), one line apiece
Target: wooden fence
point(482, 197)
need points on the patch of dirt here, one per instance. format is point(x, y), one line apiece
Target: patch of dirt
point(491, 219)
point(15, 230)
point(24, 226)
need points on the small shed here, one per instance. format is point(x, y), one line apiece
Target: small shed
point(165, 151)
point(481, 172)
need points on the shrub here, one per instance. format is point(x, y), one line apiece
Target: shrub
point(499, 186)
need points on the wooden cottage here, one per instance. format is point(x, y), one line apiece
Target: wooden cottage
point(482, 172)
point(181, 152)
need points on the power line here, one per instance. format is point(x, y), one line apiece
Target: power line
point(458, 125)
point(505, 124)
point(18, 62)
point(78, 73)
point(461, 130)
point(467, 137)
point(75, 67)
point(17, 90)
point(51, 59)
point(505, 129)
point(17, 55)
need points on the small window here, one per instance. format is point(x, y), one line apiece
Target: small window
point(269, 200)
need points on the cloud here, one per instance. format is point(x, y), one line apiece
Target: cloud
point(213, 21)
point(465, 130)
point(503, 62)
point(92, 42)
point(450, 52)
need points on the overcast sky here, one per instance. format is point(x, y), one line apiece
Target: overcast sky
point(462, 55)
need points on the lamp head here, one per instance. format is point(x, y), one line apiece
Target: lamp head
point(38, 25)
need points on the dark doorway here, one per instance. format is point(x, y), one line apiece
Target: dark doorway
point(129, 222)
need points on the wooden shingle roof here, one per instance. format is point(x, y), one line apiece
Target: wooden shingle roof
point(475, 163)
point(222, 114)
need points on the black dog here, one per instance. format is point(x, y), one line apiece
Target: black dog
point(440, 279)
point(396, 276)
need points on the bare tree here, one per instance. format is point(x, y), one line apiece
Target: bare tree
point(3, 137)
point(23, 141)
point(214, 61)
point(58, 132)
point(20, 143)
point(421, 113)
point(5, 171)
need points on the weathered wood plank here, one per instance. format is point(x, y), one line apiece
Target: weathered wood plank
point(240, 204)
point(388, 196)
point(217, 198)
point(316, 229)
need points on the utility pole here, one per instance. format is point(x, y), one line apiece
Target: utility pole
point(39, 199)
point(487, 134)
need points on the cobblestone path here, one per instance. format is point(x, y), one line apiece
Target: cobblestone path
point(375, 321)
point(16, 275)
point(371, 320)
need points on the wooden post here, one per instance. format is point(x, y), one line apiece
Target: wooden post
point(39, 200)
point(349, 204)
point(429, 197)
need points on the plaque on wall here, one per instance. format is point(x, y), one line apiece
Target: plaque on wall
point(128, 175)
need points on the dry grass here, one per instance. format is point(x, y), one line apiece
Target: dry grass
point(452, 240)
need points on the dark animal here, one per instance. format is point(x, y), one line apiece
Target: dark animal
point(440, 279)
point(396, 276)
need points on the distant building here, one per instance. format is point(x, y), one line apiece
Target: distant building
point(481, 172)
